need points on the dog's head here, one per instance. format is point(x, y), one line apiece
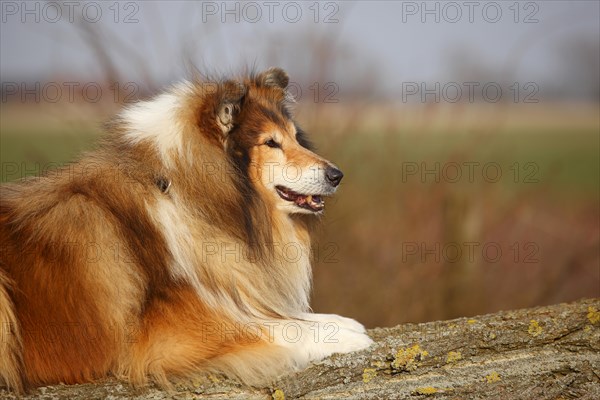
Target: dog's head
point(256, 128)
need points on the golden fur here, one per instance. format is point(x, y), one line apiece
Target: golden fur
point(162, 253)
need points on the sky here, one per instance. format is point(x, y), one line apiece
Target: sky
point(381, 43)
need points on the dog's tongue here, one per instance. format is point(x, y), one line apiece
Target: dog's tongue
point(314, 202)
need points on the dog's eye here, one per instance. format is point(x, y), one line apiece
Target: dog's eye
point(273, 144)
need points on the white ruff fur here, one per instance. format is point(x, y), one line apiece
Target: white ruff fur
point(179, 240)
point(157, 121)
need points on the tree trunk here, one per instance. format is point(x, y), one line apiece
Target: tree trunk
point(540, 353)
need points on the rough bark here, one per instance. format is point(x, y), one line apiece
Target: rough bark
point(540, 353)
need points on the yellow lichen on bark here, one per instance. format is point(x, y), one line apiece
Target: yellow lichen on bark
point(426, 390)
point(278, 395)
point(493, 377)
point(453, 357)
point(593, 315)
point(534, 328)
point(408, 358)
point(369, 374)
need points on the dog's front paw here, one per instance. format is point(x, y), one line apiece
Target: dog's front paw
point(349, 341)
point(336, 320)
point(313, 339)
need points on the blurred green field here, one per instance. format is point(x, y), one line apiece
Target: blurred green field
point(362, 267)
point(561, 160)
point(28, 153)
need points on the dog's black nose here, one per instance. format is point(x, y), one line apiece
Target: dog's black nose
point(334, 175)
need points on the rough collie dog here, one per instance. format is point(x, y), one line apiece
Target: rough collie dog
point(181, 245)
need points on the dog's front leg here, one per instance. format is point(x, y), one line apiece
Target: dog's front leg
point(317, 336)
point(337, 320)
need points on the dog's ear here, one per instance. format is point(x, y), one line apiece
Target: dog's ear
point(231, 94)
point(273, 77)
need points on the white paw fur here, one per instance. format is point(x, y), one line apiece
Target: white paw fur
point(318, 336)
point(342, 322)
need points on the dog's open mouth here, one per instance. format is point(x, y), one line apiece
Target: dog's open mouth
point(312, 202)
